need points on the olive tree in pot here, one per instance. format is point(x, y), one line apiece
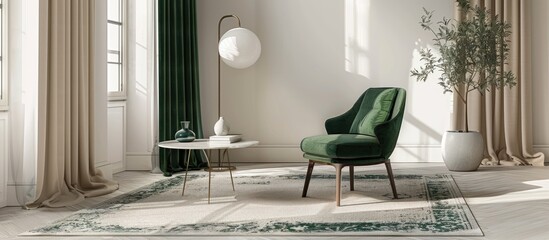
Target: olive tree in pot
point(471, 56)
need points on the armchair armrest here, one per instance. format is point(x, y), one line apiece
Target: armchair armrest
point(342, 123)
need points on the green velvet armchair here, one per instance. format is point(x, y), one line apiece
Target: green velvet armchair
point(364, 135)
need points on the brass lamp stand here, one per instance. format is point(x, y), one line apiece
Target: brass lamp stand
point(239, 48)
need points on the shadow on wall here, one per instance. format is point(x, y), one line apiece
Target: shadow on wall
point(317, 57)
point(301, 72)
point(428, 131)
point(381, 39)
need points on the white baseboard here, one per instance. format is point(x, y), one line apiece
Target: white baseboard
point(293, 154)
point(105, 168)
point(138, 161)
point(118, 167)
point(417, 154)
point(543, 149)
point(108, 169)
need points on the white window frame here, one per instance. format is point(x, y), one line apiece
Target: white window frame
point(120, 95)
point(4, 56)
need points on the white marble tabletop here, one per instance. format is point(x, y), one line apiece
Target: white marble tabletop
point(205, 144)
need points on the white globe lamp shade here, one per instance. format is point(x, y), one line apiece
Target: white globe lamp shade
point(239, 48)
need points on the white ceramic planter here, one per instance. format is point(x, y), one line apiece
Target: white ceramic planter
point(462, 151)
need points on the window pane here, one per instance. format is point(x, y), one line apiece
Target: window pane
point(113, 77)
point(113, 10)
point(113, 37)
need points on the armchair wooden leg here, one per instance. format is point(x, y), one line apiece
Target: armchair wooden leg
point(352, 177)
point(308, 178)
point(338, 183)
point(391, 178)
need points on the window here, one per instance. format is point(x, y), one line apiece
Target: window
point(3, 78)
point(115, 50)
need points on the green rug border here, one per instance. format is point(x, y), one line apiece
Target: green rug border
point(160, 186)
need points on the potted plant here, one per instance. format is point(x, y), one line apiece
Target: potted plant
point(471, 56)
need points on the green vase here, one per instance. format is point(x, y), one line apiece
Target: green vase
point(185, 134)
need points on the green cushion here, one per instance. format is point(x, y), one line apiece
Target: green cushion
point(352, 161)
point(342, 146)
point(379, 113)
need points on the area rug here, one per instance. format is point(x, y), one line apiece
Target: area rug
point(271, 204)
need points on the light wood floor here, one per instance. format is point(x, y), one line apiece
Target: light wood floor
point(508, 202)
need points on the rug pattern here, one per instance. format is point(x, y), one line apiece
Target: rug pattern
point(448, 214)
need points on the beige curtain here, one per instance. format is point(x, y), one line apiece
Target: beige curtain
point(504, 116)
point(66, 171)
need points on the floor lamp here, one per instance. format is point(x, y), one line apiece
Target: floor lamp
point(239, 48)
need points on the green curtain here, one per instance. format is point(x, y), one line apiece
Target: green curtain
point(178, 83)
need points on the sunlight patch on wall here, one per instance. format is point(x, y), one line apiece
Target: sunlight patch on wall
point(419, 122)
point(433, 79)
point(357, 29)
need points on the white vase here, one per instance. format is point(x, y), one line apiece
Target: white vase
point(221, 128)
point(462, 151)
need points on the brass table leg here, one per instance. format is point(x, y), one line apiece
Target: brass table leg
point(226, 152)
point(219, 167)
point(186, 171)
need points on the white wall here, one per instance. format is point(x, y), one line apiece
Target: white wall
point(116, 136)
point(317, 57)
point(100, 84)
point(540, 74)
point(139, 139)
point(3, 159)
